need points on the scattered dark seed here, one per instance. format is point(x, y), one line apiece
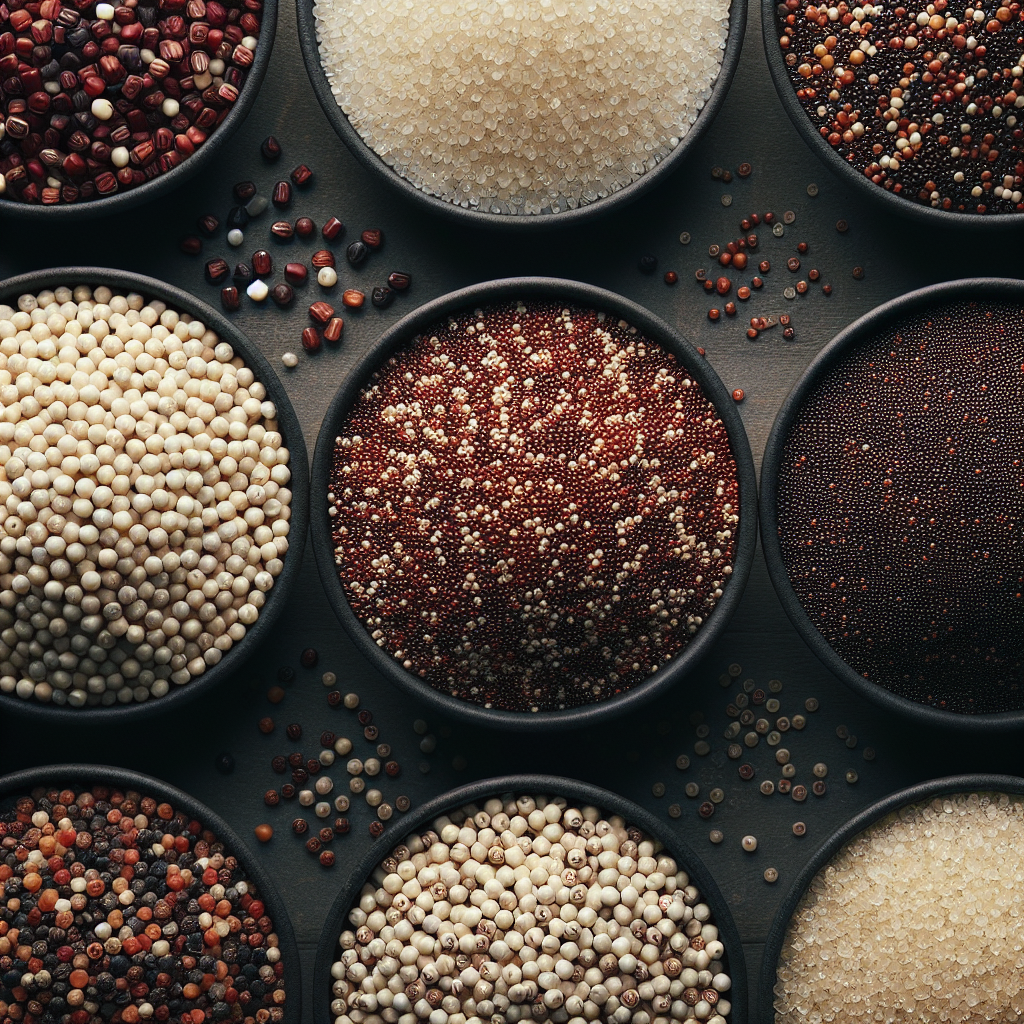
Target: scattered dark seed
point(744, 170)
point(282, 295)
point(356, 252)
point(382, 297)
point(191, 245)
point(208, 225)
point(230, 299)
point(302, 175)
point(648, 264)
point(858, 273)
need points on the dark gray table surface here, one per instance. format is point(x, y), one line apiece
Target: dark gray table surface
point(638, 750)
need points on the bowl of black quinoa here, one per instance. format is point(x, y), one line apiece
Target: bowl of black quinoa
point(105, 552)
point(142, 898)
point(534, 504)
point(691, 917)
point(916, 107)
point(892, 508)
point(91, 131)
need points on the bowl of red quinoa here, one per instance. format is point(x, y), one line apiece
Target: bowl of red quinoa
point(919, 107)
point(939, 858)
point(143, 96)
point(96, 621)
point(121, 900)
point(891, 506)
point(398, 99)
point(476, 805)
point(535, 504)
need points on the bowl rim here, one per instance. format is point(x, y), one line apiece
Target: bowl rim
point(845, 171)
point(655, 329)
point(867, 326)
point(182, 301)
point(532, 784)
point(964, 783)
point(24, 781)
point(381, 171)
point(120, 201)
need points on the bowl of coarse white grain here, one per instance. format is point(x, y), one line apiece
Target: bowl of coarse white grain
point(617, 919)
point(521, 116)
point(154, 482)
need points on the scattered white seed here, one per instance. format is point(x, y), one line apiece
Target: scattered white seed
point(327, 277)
point(235, 237)
point(290, 359)
point(258, 290)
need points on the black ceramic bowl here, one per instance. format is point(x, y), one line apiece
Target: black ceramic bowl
point(862, 330)
point(652, 327)
point(847, 172)
point(22, 783)
point(383, 172)
point(183, 302)
point(532, 785)
point(65, 213)
point(913, 795)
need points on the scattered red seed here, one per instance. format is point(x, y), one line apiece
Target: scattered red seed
point(738, 395)
point(671, 277)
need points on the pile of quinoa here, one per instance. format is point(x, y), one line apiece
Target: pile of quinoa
point(529, 908)
point(146, 500)
point(923, 99)
point(900, 508)
point(522, 108)
point(533, 506)
point(917, 918)
point(117, 907)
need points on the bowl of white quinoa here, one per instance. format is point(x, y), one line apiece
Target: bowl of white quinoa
point(530, 891)
point(154, 481)
point(521, 115)
point(911, 910)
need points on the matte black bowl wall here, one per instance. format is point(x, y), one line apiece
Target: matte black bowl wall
point(867, 327)
point(478, 793)
point(655, 329)
point(526, 222)
point(277, 597)
point(64, 775)
point(846, 171)
point(915, 794)
point(58, 216)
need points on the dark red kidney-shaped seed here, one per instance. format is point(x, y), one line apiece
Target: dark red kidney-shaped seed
point(208, 225)
point(399, 281)
point(282, 295)
point(262, 264)
point(304, 227)
point(216, 270)
point(295, 273)
point(302, 175)
point(282, 230)
point(244, 191)
point(311, 339)
point(270, 148)
point(282, 195)
point(332, 229)
point(321, 311)
point(332, 332)
point(229, 298)
point(191, 245)
point(373, 238)
point(322, 258)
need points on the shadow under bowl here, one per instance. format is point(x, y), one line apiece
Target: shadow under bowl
point(651, 327)
point(291, 431)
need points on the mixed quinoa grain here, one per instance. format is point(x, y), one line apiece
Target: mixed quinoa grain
point(923, 99)
point(900, 507)
point(146, 501)
point(529, 908)
point(118, 907)
point(533, 506)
